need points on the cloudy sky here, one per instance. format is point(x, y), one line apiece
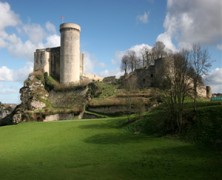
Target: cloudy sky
point(108, 29)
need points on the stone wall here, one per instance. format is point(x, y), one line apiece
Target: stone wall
point(41, 60)
point(142, 78)
point(54, 69)
point(61, 116)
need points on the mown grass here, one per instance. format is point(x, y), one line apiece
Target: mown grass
point(99, 149)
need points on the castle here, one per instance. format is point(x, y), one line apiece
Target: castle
point(64, 63)
point(149, 76)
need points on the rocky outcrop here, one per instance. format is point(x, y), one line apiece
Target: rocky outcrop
point(33, 94)
point(33, 98)
point(38, 104)
point(6, 109)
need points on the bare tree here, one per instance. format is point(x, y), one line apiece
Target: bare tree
point(158, 50)
point(124, 63)
point(147, 57)
point(132, 60)
point(130, 85)
point(200, 61)
point(176, 87)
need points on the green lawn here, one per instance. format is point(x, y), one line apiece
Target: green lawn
point(99, 150)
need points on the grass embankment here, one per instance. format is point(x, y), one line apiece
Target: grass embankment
point(203, 126)
point(111, 95)
point(99, 150)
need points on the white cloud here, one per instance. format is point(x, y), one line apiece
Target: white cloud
point(88, 62)
point(18, 75)
point(24, 38)
point(50, 27)
point(143, 18)
point(219, 46)
point(6, 74)
point(91, 63)
point(25, 48)
point(9, 92)
point(35, 32)
point(117, 57)
point(7, 16)
point(116, 72)
point(214, 79)
point(166, 39)
point(188, 22)
point(139, 49)
point(52, 41)
point(21, 74)
point(22, 49)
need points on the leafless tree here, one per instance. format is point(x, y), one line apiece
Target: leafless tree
point(176, 86)
point(130, 85)
point(147, 57)
point(158, 50)
point(200, 61)
point(132, 60)
point(124, 63)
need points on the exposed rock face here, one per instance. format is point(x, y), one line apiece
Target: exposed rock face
point(33, 97)
point(38, 104)
point(6, 109)
point(33, 94)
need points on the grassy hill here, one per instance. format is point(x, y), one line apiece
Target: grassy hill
point(202, 127)
point(99, 149)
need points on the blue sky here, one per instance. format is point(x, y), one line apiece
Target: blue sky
point(108, 29)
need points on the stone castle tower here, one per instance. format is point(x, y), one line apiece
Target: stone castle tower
point(64, 63)
point(70, 53)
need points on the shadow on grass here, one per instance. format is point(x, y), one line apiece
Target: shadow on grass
point(115, 138)
point(104, 125)
point(180, 162)
point(97, 126)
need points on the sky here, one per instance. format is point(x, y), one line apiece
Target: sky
point(108, 29)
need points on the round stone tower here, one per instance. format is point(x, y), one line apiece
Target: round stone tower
point(70, 53)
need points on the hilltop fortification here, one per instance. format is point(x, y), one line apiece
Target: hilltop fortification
point(64, 63)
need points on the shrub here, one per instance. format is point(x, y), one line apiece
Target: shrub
point(151, 124)
point(50, 82)
point(206, 127)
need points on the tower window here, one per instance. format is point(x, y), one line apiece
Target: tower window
point(151, 75)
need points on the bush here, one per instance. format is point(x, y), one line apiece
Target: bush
point(50, 83)
point(151, 124)
point(202, 127)
point(206, 127)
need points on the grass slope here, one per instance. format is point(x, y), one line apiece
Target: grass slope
point(99, 150)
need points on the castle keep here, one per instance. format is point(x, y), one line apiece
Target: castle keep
point(64, 63)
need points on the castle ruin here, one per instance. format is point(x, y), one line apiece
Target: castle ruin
point(64, 63)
